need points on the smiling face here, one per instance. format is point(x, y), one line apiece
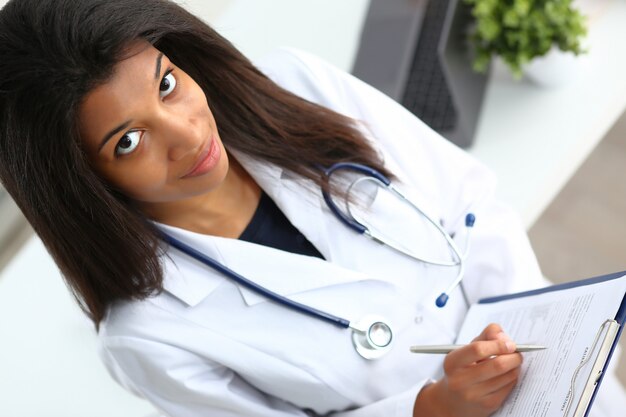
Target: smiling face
point(149, 132)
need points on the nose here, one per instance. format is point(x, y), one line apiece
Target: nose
point(183, 137)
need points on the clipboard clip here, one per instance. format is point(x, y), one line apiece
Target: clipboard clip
point(609, 328)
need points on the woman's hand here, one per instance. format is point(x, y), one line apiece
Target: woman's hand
point(478, 378)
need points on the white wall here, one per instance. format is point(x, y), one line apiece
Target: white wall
point(48, 363)
point(327, 28)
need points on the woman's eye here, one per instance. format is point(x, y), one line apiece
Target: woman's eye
point(168, 84)
point(128, 143)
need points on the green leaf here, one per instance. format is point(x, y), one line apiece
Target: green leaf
point(522, 7)
point(489, 29)
point(511, 19)
point(520, 30)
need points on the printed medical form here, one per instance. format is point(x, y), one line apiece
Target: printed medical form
point(567, 321)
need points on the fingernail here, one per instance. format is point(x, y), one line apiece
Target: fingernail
point(503, 336)
point(510, 346)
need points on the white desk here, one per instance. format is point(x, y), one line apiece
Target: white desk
point(534, 139)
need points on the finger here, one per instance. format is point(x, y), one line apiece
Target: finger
point(477, 351)
point(504, 337)
point(490, 332)
point(489, 391)
point(493, 401)
point(492, 368)
point(489, 386)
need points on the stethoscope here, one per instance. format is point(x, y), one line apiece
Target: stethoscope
point(371, 336)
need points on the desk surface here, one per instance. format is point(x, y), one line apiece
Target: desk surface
point(536, 138)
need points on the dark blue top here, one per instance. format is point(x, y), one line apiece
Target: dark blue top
point(270, 227)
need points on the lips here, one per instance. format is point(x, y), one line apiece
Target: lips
point(206, 161)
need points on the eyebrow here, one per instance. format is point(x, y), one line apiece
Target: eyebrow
point(158, 66)
point(112, 133)
point(127, 123)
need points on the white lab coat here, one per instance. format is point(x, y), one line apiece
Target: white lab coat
point(207, 347)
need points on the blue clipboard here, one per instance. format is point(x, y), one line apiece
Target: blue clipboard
point(620, 317)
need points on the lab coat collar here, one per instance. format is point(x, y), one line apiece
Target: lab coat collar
point(299, 199)
point(184, 277)
point(282, 272)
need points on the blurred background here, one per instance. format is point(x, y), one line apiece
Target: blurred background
point(553, 131)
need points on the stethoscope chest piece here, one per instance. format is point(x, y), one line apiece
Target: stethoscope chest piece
point(371, 337)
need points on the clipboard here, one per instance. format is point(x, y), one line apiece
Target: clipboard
point(605, 342)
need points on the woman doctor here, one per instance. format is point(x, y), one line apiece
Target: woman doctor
point(129, 128)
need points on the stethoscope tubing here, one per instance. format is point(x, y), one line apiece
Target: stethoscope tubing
point(252, 286)
point(455, 252)
point(370, 174)
point(364, 344)
point(362, 169)
point(350, 221)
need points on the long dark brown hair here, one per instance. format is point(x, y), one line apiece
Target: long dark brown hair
point(53, 52)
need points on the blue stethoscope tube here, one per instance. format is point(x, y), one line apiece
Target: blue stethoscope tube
point(383, 181)
point(239, 279)
point(371, 336)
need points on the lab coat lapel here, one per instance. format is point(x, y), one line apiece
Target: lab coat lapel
point(184, 277)
point(281, 272)
point(301, 201)
point(298, 199)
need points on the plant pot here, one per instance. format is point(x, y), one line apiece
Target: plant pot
point(554, 69)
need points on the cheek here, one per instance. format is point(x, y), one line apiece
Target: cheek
point(200, 106)
point(140, 181)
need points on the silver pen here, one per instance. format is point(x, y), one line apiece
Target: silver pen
point(450, 348)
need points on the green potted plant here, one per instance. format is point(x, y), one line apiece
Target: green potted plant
point(519, 31)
